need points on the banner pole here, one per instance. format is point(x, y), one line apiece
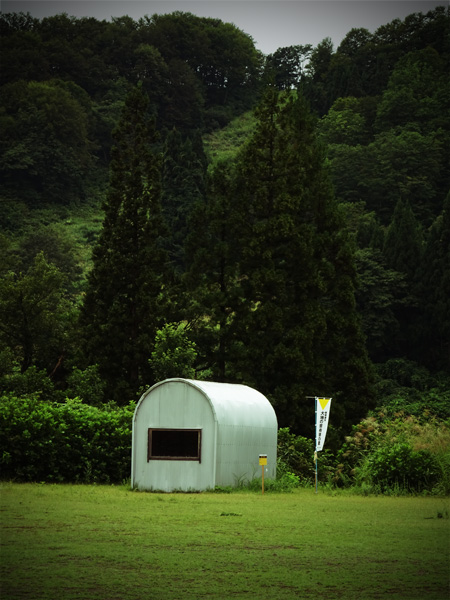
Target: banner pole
point(315, 444)
point(315, 460)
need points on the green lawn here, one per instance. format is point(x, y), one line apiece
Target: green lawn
point(104, 542)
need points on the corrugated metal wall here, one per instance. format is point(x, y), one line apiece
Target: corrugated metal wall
point(238, 450)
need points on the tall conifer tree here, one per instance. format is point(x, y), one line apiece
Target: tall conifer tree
point(433, 284)
point(403, 244)
point(402, 252)
point(301, 331)
point(183, 186)
point(123, 305)
point(213, 282)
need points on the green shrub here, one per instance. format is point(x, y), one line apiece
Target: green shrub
point(295, 457)
point(87, 385)
point(402, 453)
point(70, 442)
point(295, 454)
point(287, 482)
point(400, 466)
point(363, 438)
point(442, 486)
point(31, 382)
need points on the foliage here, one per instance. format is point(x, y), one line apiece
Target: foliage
point(345, 123)
point(123, 306)
point(295, 454)
point(46, 152)
point(414, 93)
point(380, 292)
point(174, 354)
point(57, 249)
point(63, 442)
point(402, 453)
point(35, 316)
point(215, 299)
point(183, 176)
point(433, 289)
point(32, 382)
point(86, 385)
point(399, 465)
point(296, 457)
point(285, 66)
point(297, 274)
point(276, 279)
point(222, 145)
point(285, 482)
point(405, 386)
point(192, 67)
point(363, 62)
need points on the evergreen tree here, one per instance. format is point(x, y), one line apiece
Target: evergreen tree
point(213, 283)
point(403, 244)
point(183, 174)
point(433, 280)
point(123, 307)
point(402, 252)
point(301, 331)
point(380, 296)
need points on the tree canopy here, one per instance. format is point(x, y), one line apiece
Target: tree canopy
point(309, 256)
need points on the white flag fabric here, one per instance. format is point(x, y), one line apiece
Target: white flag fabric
point(322, 416)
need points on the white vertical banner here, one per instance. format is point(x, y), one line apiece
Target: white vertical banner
point(322, 416)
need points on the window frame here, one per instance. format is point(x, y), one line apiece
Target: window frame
point(197, 458)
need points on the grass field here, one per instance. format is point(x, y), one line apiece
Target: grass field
point(105, 542)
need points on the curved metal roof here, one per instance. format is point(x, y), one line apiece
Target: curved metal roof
point(231, 403)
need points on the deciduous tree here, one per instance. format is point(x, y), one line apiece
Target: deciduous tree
point(35, 318)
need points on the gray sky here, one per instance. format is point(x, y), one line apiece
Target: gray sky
point(271, 23)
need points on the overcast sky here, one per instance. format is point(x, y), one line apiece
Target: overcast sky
point(271, 23)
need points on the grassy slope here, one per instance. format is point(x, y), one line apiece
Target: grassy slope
point(83, 223)
point(224, 143)
point(107, 542)
point(82, 227)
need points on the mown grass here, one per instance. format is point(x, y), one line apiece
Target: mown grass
point(106, 542)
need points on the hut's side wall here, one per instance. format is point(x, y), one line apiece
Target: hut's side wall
point(238, 450)
point(246, 427)
point(174, 405)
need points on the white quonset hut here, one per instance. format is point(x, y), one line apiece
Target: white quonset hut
point(194, 435)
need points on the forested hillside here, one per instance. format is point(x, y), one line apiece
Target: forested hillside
point(309, 255)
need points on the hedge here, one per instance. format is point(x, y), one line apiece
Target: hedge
point(70, 442)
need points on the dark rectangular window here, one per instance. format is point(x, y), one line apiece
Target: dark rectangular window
point(174, 444)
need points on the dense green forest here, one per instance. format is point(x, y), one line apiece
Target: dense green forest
point(176, 204)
